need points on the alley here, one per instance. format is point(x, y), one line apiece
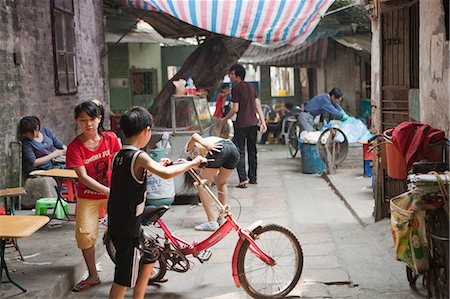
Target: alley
point(341, 258)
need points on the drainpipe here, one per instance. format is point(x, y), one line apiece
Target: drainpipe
point(19, 145)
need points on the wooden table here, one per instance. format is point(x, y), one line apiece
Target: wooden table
point(58, 175)
point(17, 227)
point(10, 192)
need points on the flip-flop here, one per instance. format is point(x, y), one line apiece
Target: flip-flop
point(84, 285)
point(162, 280)
point(243, 184)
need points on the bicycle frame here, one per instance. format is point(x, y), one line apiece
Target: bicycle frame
point(230, 224)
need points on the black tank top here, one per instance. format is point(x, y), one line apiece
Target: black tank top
point(127, 196)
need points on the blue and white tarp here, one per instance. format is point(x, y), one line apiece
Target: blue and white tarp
point(261, 21)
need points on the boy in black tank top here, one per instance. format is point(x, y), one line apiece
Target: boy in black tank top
point(127, 200)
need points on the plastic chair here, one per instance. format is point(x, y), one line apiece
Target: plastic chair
point(68, 190)
point(266, 109)
point(285, 126)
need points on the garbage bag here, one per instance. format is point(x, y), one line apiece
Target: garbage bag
point(353, 128)
point(409, 231)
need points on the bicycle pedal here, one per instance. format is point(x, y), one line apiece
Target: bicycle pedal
point(204, 256)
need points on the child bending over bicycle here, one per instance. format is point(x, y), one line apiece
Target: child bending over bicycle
point(224, 157)
point(127, 200)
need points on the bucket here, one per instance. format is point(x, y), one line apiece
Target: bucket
point(311, 162)
point(396, 164)
point(367, 155)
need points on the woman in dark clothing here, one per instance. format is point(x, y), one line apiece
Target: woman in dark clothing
point(40, 146)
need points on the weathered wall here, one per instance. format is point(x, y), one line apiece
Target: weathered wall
point(28, 87)
point(434, 67)
point(376, 73)
point(174, 56)
point(339, 70)
point(265, 89)
point(146, 56)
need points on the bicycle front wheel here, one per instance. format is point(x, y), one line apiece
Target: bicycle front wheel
point(260, 280)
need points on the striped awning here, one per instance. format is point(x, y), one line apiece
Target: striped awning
point(262, 21)
point(310, 53)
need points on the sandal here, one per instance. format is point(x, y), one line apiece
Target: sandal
point(243, 184)
point(84, 285)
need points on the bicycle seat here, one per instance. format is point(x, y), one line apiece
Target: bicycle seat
point(152, 213)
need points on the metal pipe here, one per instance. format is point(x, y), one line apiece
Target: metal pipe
point(340, 8)
point(19, 143)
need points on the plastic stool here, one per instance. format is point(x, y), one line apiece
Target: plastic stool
point(68, 190)
point(43, 204)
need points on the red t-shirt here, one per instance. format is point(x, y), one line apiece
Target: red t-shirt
point(245, 94)
point(219, 105)
point(96, 162)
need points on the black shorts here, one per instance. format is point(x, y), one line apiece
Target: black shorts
point(130, 254)
point(227, 158)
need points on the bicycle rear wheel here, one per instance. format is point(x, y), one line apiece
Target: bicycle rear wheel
point(293, 139)
point(260, 280)
point(159, 270)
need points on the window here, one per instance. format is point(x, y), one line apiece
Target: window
point(144, 87)
point(282, 81)
point(64, 47)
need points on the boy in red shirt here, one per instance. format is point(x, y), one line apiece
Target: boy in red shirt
point(219, 129)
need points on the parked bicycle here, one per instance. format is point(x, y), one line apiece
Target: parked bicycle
point(267, 261)
point(435, 281)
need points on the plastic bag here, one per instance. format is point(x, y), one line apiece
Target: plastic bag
point(159, 188)
point(180, 87)
point(164, 142)
point(409, 231)
point(353, 128)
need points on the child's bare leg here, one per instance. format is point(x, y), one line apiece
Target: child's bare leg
point(221, 182)
point(117, 291)
point(141, 285)
point(206, 203)
point(209, 174)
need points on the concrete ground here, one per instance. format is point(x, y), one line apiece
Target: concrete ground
point(345, 253)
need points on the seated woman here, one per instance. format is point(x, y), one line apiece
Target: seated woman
point(39, 145)
point(225, 157)
point(276, 124)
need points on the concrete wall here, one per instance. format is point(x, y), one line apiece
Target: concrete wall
point(434, 66)
point(376, 74)
point(146, 56)
point(340, 70)
point(27, 87)
point(265, 89)
point(174, 56)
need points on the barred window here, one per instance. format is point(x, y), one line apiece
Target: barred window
point(64, 47)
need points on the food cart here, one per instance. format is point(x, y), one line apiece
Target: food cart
point(189, 115)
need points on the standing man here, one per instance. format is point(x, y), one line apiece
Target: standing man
point(246, 104)
point(325, 102)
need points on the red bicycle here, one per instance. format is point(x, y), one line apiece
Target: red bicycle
point(267, 260)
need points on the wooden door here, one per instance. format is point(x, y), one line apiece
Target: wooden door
point(400, 63)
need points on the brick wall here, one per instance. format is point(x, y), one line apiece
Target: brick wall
point(28, 88)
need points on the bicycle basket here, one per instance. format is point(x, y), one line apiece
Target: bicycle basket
point(409, 231)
